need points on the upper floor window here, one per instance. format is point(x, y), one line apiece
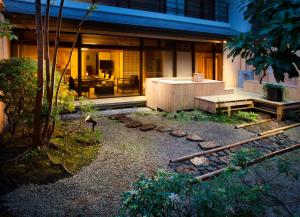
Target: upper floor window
point(201, 9)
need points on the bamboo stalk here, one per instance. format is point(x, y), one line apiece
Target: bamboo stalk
point(253, 123)
point(198, 154)
point(258, 160)
point(279, 129)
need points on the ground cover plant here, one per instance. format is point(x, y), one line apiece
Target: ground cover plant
point(239, 191)
point(73, 145)
point(198, 115)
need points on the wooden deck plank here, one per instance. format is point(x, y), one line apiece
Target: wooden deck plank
point(241, 101)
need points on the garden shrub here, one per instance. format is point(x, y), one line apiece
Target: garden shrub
point(18, 86)
point(171, 194)
point(238, 192)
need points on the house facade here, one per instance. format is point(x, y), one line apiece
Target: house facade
point(124, 42)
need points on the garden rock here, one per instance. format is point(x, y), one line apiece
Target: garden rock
point(178, 133)
point(186, 169)
point(207, 145)
point(116, 116)
point(164, 129)
point(194, 137)
point(224, 159)
point(235, 149)
point(133, 124)
point(125, 119)
point(200, 161)
point(147, 127)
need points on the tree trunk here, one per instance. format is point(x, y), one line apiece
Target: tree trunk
point(37, 123)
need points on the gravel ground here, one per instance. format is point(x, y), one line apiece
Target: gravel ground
point(294, 133)
point(126, 153)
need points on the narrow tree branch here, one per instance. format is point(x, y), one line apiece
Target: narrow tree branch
point(52, 79)
point(36, 139)
point(46, 44)
point(70, 55)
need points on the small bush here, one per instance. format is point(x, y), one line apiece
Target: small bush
point(234, 193)
point(18, 87)
point(247, 116)
point(171, 194)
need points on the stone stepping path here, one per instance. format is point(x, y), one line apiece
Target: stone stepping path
point(200, 161)
point(164, 129)
point(133, 124)
point(187, 169)
point(208, 145)
point(130, 123)
point(147, 127)
point(116, 117)
point(125, 119)
point(194, 137)
point(221, 159)
point(178, 133)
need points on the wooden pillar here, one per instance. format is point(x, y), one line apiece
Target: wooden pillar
point(141, 66)
point(193, 59)
point(174, 59)
point(79, 45)
point(214, 60)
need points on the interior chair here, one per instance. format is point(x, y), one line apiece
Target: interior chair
point(74, 86)
point(132, 83)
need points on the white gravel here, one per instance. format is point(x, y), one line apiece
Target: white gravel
point(126, 153)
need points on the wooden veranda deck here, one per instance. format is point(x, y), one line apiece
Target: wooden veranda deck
point(240, 100)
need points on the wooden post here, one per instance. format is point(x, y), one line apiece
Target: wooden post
point(79, 46)
point(253, 123)
point(279, 113)
point(174, 59)
point(141, 67)
point(279, 129)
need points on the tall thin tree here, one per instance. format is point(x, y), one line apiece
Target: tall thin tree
point(44, 126)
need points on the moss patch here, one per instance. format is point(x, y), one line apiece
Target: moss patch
point(75, 152)
point(72, 148)
point(196, 115)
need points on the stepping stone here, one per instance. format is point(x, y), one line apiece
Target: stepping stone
point(207, 145)
point(133, 124)
point(178, 133)
point(116, 116)
point(194, 137)
point(164, 129)
point(200, 161)
point(147, 127)
point(213, 158)
point(186, 169)
point(224, 159)
point(211, 169)
point(235, 149)
point(125, 120)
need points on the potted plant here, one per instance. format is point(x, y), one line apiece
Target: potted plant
point(274, 92)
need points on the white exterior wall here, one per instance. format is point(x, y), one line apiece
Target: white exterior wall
point(231, 68)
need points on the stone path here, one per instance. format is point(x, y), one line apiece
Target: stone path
point(221, 159)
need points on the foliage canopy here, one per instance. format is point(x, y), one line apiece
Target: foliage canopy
point(274, 38)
